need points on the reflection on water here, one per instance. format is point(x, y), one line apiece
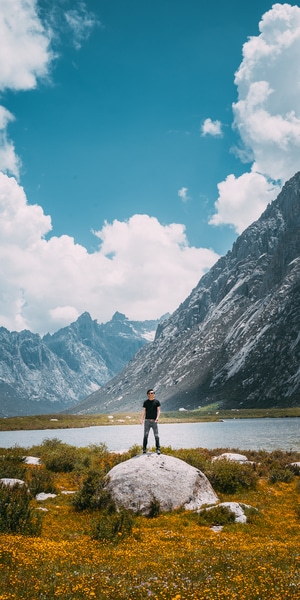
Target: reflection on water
point(243, 434)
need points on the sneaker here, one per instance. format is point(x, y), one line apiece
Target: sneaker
point(157, 451)
point(144, 451)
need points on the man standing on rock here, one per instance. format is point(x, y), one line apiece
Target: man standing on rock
point(150, 416)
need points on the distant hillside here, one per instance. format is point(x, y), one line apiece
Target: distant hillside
point(43, 375)
point(236, 339)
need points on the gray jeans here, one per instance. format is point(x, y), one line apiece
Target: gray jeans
point(149, 424)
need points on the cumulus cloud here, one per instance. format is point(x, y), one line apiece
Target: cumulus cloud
point(25, 57)
point(25, 43)
point(143, 267)
point(183, 194)
point(238, 205)
point(266, 117)
point(210, 127)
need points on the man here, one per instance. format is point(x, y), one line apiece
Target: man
point(150, 416)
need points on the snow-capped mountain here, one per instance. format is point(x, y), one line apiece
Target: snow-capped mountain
point(43, 375)
point(236, 339)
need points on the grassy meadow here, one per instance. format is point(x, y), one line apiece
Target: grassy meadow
point(76, 546)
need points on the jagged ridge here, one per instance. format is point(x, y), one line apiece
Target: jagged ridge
point(235, 339)
point(43, 375)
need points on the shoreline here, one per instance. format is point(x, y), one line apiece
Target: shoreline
point(209, 414)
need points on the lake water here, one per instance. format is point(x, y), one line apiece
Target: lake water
point(244, 434)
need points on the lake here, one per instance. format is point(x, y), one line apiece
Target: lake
point(244, 434)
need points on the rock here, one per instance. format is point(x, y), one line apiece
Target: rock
point(43, 496)
point(135, 483)
point(231, 456)
point(11, 482)
point(295, 466)
point(234, 507)
point(32, 460)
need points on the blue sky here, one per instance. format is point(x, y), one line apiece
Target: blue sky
point(137, 140)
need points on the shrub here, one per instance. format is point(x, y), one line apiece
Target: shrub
point(12, 465)
point(113, 527)
point(192, 456)
point(92, 494)
point(281, 473)
point(40, 480)
point(59, 457)
point(269, 461)
point(229, 477)
point(133, 451)
point(16, 514)
point(154, 508)
point(218, 515)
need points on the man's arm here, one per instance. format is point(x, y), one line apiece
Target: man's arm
point(143, 415)
point(158, 413)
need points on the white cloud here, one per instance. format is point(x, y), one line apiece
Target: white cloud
point(183, 194)
point(266, 117)
point(210, 127)
point(81, 22)
point(63, 315)
point(25, 56)
point(238, 205)
point(141, 266)
point(25, 45)
point(9, 162)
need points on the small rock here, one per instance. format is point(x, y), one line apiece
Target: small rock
point(44, 496)
point(231, 456)
point(32, 460)
point(236, 508)
point(11, 482)
point(295, 467)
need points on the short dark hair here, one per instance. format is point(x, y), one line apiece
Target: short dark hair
point(150, 390)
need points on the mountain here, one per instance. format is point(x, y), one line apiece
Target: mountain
point(236, 339)
point(44, 375)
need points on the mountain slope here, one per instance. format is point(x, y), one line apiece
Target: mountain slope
point(43, 375)
point(235, 340)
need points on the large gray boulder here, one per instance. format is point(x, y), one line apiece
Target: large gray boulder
point(135, 483)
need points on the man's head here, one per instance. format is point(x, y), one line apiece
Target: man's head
point(150, 394)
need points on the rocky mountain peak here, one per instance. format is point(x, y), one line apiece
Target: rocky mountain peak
point(50, 374)
point(235, 339)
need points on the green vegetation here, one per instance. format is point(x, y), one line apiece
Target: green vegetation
point(205, 414)
point(81, 547)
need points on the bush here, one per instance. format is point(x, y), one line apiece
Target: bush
point(59, 457)
point(40, 480)
point(218, 515)
point(192, 456)
point(280, 473)
point(12, 464)
point(269, 461)
point(229, 477)
point(92, 494)
point(154, 508)
point(16, 514)
point(63, 458)
point(113, 527)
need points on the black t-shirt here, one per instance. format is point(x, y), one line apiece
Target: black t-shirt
point(151, 407)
